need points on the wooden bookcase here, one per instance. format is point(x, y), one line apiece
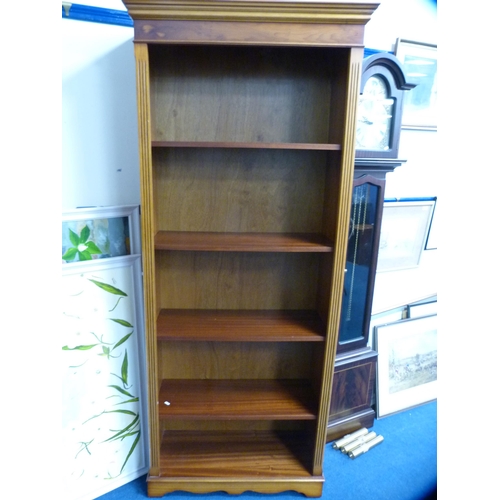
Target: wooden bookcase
point(246, 132)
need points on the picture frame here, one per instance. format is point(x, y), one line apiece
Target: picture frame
point(104, 412)
point(407, 364)
point(404, 233)
point(432, 237)
point(421, 309)
point(92, 233)
point(419, 62)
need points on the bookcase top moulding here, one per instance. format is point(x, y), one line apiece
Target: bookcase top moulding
point(152, 18)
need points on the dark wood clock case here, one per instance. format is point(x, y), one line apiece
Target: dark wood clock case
point(355, 362)
point(387, 67)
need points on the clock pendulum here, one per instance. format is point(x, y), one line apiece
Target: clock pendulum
point(358, 221)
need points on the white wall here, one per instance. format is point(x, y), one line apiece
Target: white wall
point(409, 19)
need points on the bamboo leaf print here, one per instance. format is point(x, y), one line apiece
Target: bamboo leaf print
point(123, 391)
point(133, 400)
point(109, 288)
point(122, 322)
point(128, 435)
point(123, 431)
point(100, 339)
point(125, 412)
point(117, 302)
point(119, 411)
point(106, 352)
point(85, 446)
point(131, 451)
point(125, 369)
point(79, 347)
point(122, 340)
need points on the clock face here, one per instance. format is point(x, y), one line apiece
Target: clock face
point(374, 116)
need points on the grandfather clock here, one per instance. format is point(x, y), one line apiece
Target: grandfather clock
point(377, 143)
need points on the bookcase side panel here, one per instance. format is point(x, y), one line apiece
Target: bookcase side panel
point(342, 215)
point(148, 231)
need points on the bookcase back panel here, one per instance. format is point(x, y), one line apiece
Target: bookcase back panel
point(235, 190)
point(234, 425)
point(224, 93)
point(232, 280)
point(235, 360)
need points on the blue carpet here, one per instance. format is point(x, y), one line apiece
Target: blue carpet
point(402, 467)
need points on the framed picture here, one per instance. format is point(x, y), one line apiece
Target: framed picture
point(407, 364)
point(422, 309)
point(104, 413)
point(433, 230)
point(403, 233)
point(382, 318)
point(100, 232)
point(419, 61)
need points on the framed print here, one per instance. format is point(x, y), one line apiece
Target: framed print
point(407, 364)
point(422, 309)
point(403, 233)
point(419, 61)
point(100, 232)
point(104, 415)
point(432, 243)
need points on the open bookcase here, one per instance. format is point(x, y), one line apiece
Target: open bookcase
point(246, 131)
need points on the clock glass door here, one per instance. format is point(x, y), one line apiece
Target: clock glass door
point(361, 262)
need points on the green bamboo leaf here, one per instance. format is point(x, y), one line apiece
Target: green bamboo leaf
point(123, 391)
point(93, 248)
point(123, 431)
point(131, 451)
point(100, 339)
point(133, 400)
point(128, 435)
point(70, 254)
point(126, 412)
point(122, 340)
point(125, 368)
point(122, 322)
point(74, 238)
point(85, 446)
point(85, 255)
point(116, 305)
point(84, 234)
point(79, 348)
point(109, 288)
point(123, 436)
point(130, 426)
point(105, 351)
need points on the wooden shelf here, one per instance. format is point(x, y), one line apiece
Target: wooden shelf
point(252, 399)
point(246, 145)
point(239, 325)
point(234, 454)
point(241, 242)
